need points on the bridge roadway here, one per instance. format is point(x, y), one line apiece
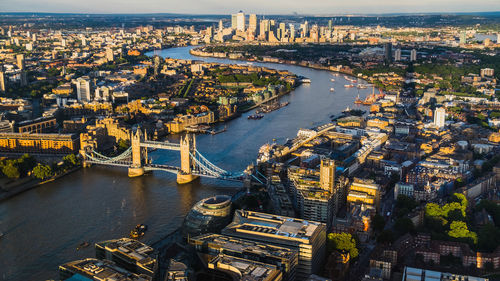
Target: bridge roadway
point(161, 145)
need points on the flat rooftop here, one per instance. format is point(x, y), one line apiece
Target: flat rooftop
point(132, 249)
point(102, 270)
point(246, 270)
point(249, 223)
point(243, 245)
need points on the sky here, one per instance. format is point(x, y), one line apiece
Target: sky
point(250, 6)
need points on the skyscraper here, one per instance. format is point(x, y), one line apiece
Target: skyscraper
point(439, 117)
point(2, 80)
point(83, 89)
point(463, 37)
point(388, 52)
point(252, 23)
point(109, 54)
point(397, 54)
point(221, 26)
point(234, 21)
point(413, 55)
point(240, 21)
point(327, 175)
point(20, 61)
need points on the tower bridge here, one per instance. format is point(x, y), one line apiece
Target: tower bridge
point(135, 158)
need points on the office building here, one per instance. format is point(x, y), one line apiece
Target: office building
point(93, 269)
point(130, 254)
point(306, 237)
point(242, 269)
point(208, 215)
point(327, 174)
point(109, 54)
point(365, 192)
point(212, 245)
point(20, 61)
point(487, 72)
point(240, 21)
point(83, 89)
point(234, 21)
point(397, 54)
point(439, 117)
point(417, 274)
point(413, 55)
point(388, 52)
point(252, 23)
point(463, 37)
point(2, 81)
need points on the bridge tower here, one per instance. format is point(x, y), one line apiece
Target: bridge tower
point(139, 154)
point(188, 148)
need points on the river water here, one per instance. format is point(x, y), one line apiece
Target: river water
point(43, 226)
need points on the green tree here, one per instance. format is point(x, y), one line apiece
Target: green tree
point(42, 171)
point(70, 160)
point(343, 242)
point(459, 230)
point(11, 171)
point(404, 225)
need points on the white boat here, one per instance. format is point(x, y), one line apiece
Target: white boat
point(332, 89)
point(333, 80)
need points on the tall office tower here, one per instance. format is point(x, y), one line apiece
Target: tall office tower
point(156, 65)
point(234, 21)
point(24, 78)
point(463, 37)
point(109, 54)
point(83, 89)
point(305, 237)
point(413, 55)
point(34, 37)
point(397, 54)
point(252, 23)
point(2, 80)
point(263, 28)
point(28, 34)
point(240, 21)
point(329, 25)
point(327, 174)
point(292, 32)
point(281, 30)
point(498, 38)
point(84, 41)
point(221, 26)
point(439, 117)
point(388, 52)
point(305, 29)
point(20, 61)
point(63, 42)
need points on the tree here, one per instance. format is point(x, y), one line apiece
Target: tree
point(378, 222)
point(70, 160)
point(343, 242)
point(11, 171)
point(404, 225)
point(42, 171)
point(459, 230)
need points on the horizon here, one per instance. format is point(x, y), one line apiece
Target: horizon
point(224, 7)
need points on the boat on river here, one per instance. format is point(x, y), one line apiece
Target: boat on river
point(255, 117)
point(138, 231)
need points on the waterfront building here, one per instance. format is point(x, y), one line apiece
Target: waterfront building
point(129, 254)
point(208, 215)
point(37, 126)
point(242, 269)
point(179, 124)
point(93, 269)
point(306, 237)
point(213, 245)
point(39, 143)
point(417, 274)
point(439, 117)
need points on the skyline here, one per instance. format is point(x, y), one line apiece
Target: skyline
point(315, 7)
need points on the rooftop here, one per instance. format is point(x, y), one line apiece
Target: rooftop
point(102, 270)
point(246, 270)
point(141, 253)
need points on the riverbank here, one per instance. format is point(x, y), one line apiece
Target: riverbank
point(197, 51)
point(25, 184)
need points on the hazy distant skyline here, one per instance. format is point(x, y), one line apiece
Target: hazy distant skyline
point(252, 6)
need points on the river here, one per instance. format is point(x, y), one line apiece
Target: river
point(43, 226)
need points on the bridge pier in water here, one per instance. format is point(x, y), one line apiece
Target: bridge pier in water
point(139, 155)
point(188, 149)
